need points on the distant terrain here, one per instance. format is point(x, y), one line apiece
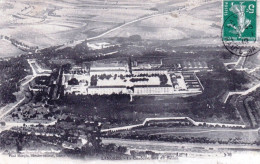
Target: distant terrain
point(46, 23)
point(50, 23)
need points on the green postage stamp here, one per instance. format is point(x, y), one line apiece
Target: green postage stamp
point(239, 20)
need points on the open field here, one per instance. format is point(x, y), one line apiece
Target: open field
point(8, 50)
point(172, 27)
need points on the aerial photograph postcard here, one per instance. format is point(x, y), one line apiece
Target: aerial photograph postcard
point(130, 81)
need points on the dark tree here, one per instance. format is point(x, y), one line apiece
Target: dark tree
point(73, 81)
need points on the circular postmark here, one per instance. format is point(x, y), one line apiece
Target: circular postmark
point(238, 40)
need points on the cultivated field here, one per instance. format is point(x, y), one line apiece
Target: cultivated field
point(47, 23)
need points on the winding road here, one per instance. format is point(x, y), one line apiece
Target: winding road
point(3, 110)
point(69, 44)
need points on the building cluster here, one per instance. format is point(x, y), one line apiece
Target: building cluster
point(139, 76)
point(39, 84)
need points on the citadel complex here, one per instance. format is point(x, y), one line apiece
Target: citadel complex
point(135, 77)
